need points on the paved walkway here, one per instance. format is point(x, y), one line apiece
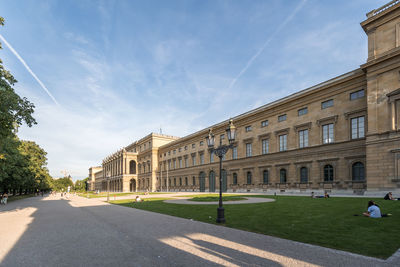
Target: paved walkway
point(87, 232)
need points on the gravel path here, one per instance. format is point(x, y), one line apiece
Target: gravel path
point(52, 231)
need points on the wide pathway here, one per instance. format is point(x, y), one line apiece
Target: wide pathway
point(51, 231)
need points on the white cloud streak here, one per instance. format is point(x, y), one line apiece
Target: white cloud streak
point(29, 69)
point(256, 55)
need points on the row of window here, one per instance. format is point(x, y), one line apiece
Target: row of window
point(281, 118)
point(358, 174)
point(304, 111)
point(357, 131)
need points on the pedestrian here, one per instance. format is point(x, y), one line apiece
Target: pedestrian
point(4, 199)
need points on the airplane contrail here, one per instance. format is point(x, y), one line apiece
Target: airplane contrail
point(28, 69)
point(280, 27)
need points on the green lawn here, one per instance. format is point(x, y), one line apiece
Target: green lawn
point(325, 222)
point(214, 198)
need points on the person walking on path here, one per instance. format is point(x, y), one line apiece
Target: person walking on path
point(4, 199)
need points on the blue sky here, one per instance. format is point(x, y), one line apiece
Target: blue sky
point(122, 69)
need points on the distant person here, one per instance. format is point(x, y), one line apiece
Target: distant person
point(312, 195)
point(326, 195)
point(389, 196)
point(4, 199)
point(138, 199)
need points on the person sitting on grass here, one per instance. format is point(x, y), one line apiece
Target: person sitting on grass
point(374, 211)
point(138, 199)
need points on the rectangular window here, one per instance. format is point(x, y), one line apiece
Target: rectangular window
point(222, 137)
point(174, 152)
point(327, 104)
point(283, 142)
point(174, 164)
point(265, 146)
point(356, 95)
point(212, 157)
point(201, 158)
point(180, 163)
point(264, 123)
point(302, 111)
point(327, 133)
point(248, 128)
point(193, 160)
point(186, 162)
point(169, 165)
point(357, 127)
point(169, 153)
point(248, 150)
point(179, 149)
point(201, 143)
point(185, 147)
point(234, 153)
point(303, 138)
point(144, 147)
point(193, 145)
point(282, 118)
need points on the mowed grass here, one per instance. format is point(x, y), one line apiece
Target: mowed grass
point(214, 197)
point(325, 222)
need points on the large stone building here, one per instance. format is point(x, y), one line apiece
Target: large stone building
point(342, 135)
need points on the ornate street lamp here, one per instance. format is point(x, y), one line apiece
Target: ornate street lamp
point(220, 151)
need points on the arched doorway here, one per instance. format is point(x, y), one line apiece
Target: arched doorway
point(211, 181)
point(224, 181)
point(202, 181)
point(132, 185)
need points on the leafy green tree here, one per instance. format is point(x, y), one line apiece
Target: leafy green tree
point(22, 163)
point(14, 110)
point(37, 162)
point(80, 185)
point(61, 184)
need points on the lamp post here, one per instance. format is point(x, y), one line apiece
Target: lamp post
point(108, 186)
point(220, 151)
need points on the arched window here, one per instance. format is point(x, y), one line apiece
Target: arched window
point(282, 175)
point(144, 167)
point(358, 171)
point(174, 181)
point(234, 178)
point(303, 175)
point(169, 182)
point(328, 173)
point(249, 176)
point(180, 181)
point(265, 177)
point(132, 167)
point(186, 181)
point(211, 181)
point(194, 180)
point(140, 168)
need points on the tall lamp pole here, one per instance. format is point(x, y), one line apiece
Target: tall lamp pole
point(220, 151)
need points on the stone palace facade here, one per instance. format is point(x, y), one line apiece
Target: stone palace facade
point(342, 135)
